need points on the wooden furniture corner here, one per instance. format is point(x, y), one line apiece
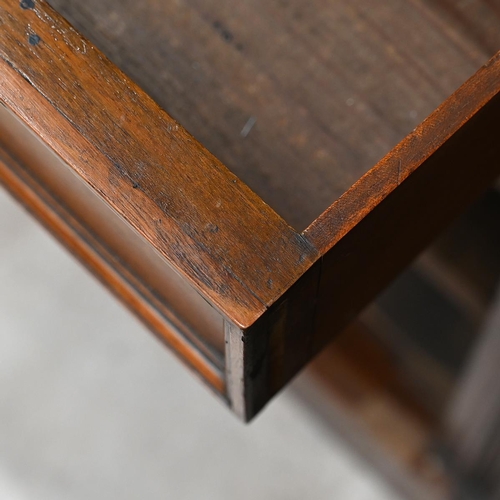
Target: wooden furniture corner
point(240, 295)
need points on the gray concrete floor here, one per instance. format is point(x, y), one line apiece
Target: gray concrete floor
point(93, 407)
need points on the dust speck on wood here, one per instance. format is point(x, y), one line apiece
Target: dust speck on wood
point(27, 4)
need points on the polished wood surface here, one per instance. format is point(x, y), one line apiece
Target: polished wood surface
point(381, 224)
point(329, 86)
point(282, 294)
point(213, 230)
point(118, 244)
point(408, 198)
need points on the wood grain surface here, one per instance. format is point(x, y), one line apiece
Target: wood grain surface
point(210, 226)
point(110, 271)
point(300, 100)
point(329, 86)
point(405, 201)
point(379, 226)
point(66, 193)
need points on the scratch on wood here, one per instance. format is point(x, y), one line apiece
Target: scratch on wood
point(248, 126)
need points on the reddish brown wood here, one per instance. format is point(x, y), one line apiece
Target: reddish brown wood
point(115, 253)
point(115, 234)
point(215, 231)
point(393, 212)
point(277, 295)
point(371, 233)
point(105, 266)
point(332, 85)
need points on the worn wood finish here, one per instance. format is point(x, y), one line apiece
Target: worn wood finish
point(177, 197)
point(135, 260)
point(378, 226)
point(332, 85)
point(385, 219)
point(274, 349)
point(200, 217)
point(107, 268)
point(282, 294)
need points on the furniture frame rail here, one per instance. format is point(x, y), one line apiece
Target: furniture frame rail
point(270, 297)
